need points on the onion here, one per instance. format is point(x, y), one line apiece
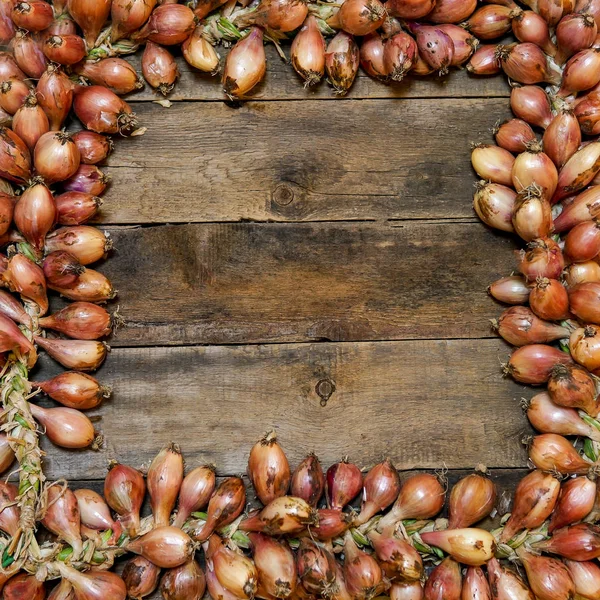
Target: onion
point(525, 63)
point(549, 300)
point(535, 167)
point(93, 147)
point(406, 591)
point(215, 589)
point(35, 213)
point(421, 497)
point(15, 161)
point(574, 33)
point(87, 179)
point(198, 52)
point(62, 268)
point(581, 72)
point(590, 7)
point(74, 390)
point(483, 61)
point(547, 417)
point(493, 163)
point(381, 487)
point(65, 427)
point(23, 276)
point(308, 480)
point(103, 111)
point(268, 469)
point(115, 74)
point(30, 122)
point(421, 68)
point(56, 157)
point(55, 95)
point(13, 93)
point(531, 103)
point(90, 15)
point(587, 112)
point(511, 290)
point(62, 516)
point(549, 578)
point(583, 242)
point(543, 258)
point(195, 492)
point(163, 480)
point(66, 49)
point(361, 571)
point(464, 43)
point(472, 499)
point(169, 24)
point(167, 547)
point(562, 138)
point(489, 22)
point(399, 56)
point(124, 490)
point(534, 500)
point(358, 17)
point(93, 585)
point(475, 585)
point(94, 511)
point(246, 65)
point(128, 15)
point(586, 578)
point(397, 558)
point(63, 24)
point(82, 355)
point(23, 586)
point(507, 584)
point(9, 69)
point(140, 577)
point(76, 208)
point(29, 55)
point(332, 523)
point(584, 345)
point(584, 207)
point(316, 567)
point(553, 10)
point(224, 507)
point(186, 582)
point(308, 52)
point(584, 300)
point(86, 244)
point(435, 46)
point(63, 591)
point(91, 286)
point(451, 11)
point(514, 135)
point(234, 571)
point(444, 582)
point(11, 337)
point(343, 483)
point(552, 452)
point(528, 26)
point(575, 502)
point(409, 9)
point(342, 58)
point(284, 515)
point(582, 273)
point(469, 546)
point(533, 364)
point(7, 27)
point(532, 214)
point(81, 320)
point(12, 308)
point(10, 513)
point(494, 204)
point(519, 327)
point(275, 565)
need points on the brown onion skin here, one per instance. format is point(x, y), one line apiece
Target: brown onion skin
point(581, 72)
point(472, 499)
point(90, 15)
point(571, 386)
point(543, 258)
point(102, 111)
point(435, 46)
point(507, 583)
point(61, 268)
point(15, 161)
point(584, 300)
point(28, 54)
point(276, 566)
point(548, 578)
point(514, 135)
point(87, 244)
point(268, 469)
point(519, 326)
point(452, 11)
point(343, 483)
point(397, 558)
point(575, 502)
point(489, 22)
point(483, 61)
point(76, 208)
point(66, 49)
point(82, 355)
point(528, 26)
point(562, 138)
point(74, 390)
point(510, 290)
point(315, 566)
point(444, 582)
point(54, 92)
point(409, 9)
point(575, 32)
point(464, 43)
point(342, 58)
point(93, 147)
point(141, 577)
point(159, 68)
point(582, 243)
point(88, 179)
point(186, 582)
point(35, 214)
point(196, 490)
point(549, 300)
point(531, 103)
point(13, 94)
point(30, 122)
point(129, 15)
point(81, 320)
point(113, 73)
point(412, 590)
point(7, 27)
point(533, 364)
point(308, 480)
point(27, 278)
point(169, 24)
point(56, 157)
point(590, 7)
point(245, 66)
point(372, 56)
point(582, 273)
point(586, 577)
point(91, 286)
point(124, 490)
point(332, 523)
point(555, 453)
point(163, 481)
point(587, 112)
point(23, 586)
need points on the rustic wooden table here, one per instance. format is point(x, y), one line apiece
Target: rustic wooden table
point(295, 248)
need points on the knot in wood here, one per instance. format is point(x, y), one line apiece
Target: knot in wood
point(325, 389)
point(283, 194)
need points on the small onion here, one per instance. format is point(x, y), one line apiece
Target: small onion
point(308, 480)
point(13, 93)
point(93, 147)
point(169, 24)
point(113, 73)
point(510, 290)
point(401, 590)
point(124, 490)
point(90, 15)
point(91, 286)
point(493, 163)
point(275, 564)
point(283, 515)
point(76, 208)
point(435, 46)
point(549, 578)
point(543, 258)
point(582, 273)
point(532, 214)
point(245, 66)
point(54, 92)
point(28, 54)
point(575, 502)
point(528, 26)
point(103, 111)
point(279, 15)
point(81, 320)
point(15, 161)
point(562, 138)
point(195, 492)
point(508, 585)
point(65, 427)
point(586, 578)
point(489, 22)
point(56, 157)
point(397, 557)
point(533, 364)
point(342, 58)
point(23, 586)
point(361, 571)
point(163, 481)
point(94, 585)
point(186, 582)
point(381, 486)
point(66, 49)
point(526, 63)
point(74, 390)
point(167, 547)
point(470, 546)
point(483, 61)
point(399, 56)
point(409, 9)
point(82, 355)
point(62, 516)
point(582, 72)
point(471, 500)
point(30, 122)
point(88, 179)
point(360, 17)
point(316, 567)
point(140, 576)
point(268, 469)
point(86, 244)
point(514, 135)
point(35, 213)
point(552, 452)
point(574, 33)
point(549, 300)
point(445, 581)
point(582, 243)
point(452, 11)
point(531, 103)
point(128, 15)
point(307, 52)
point(343, 483)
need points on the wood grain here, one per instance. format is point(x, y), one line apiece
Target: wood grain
point(300, 161)
point(282, 83)
point(426, 404)
point(270, 283)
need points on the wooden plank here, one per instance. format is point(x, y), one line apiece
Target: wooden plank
point(426, 404)
point(263, 283)
point(300, 161)
point(282, 83)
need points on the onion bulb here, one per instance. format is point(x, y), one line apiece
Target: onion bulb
point(308, 52)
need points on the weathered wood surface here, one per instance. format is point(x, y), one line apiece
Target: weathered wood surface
point(282, 83)
point(269, 283)
point(426, 404)
point(300, 161)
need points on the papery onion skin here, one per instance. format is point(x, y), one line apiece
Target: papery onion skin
point(494, 204)
point(169, 24)
point(275, 564)
point(397, 557)
point(528, 26)
point(508, 585)
point(584, 207)
point(483, 61)
point(23, 586)
point(582, 243)
point(372, 56)
point(584, 345)
point(514, 135)
point(245, 66)
point(65, 427)
point(113, 73)
point(573, 387)
point(343, 483)
point(472, 499)
point(88, 179)
point(159, 68)
point(409, 9)
point(553, 452)
point(7, 455)
point(80, 320)
point(90, 15)
point(56, 157)
point(532, 214)
point(283, 515)
point(163, 481)
point(279, 15)
point(584, 301)
point(562, 138)
point(103, 111)
point(24, 276)
point(28, 54)
point(93, 147)
point(94, 585)
point(581, 73)
point(549, 300)
point(91, 286)
point(308, 480)
point(452, 11)
point(62, 517)
point(493, 163)
point(141, 577)
point(435, 46)
point(83, 355)
point(268, 469)
point(575, 32)
point(74, 390)
point(85, 243)
point(534, 167)
point(533, 364)
point(400, 54)
point(510, 290)
point(470, 546)
point(167, 547)
point(124, 490)
point(575, 502)
point(66, 49)
point(15, 161)
point(362, 573)
point(342, 58)
point(381, 487)
point(444, 582)
point(579, 171)
point(543, 258)
point(582, 273)
point(332, 523)
point(587, 112)
point(308, 52)
point(549, 578)
point(360, 17)
point(54, 92)
point(128, 15)
point(186, 582)
point(30, 122)
point(195, 492)
point(586, 578)
point(489, 22)
point(315, 566)
point(35, 214)
point(406, 591)
point(76, 208)
point(531, 103)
